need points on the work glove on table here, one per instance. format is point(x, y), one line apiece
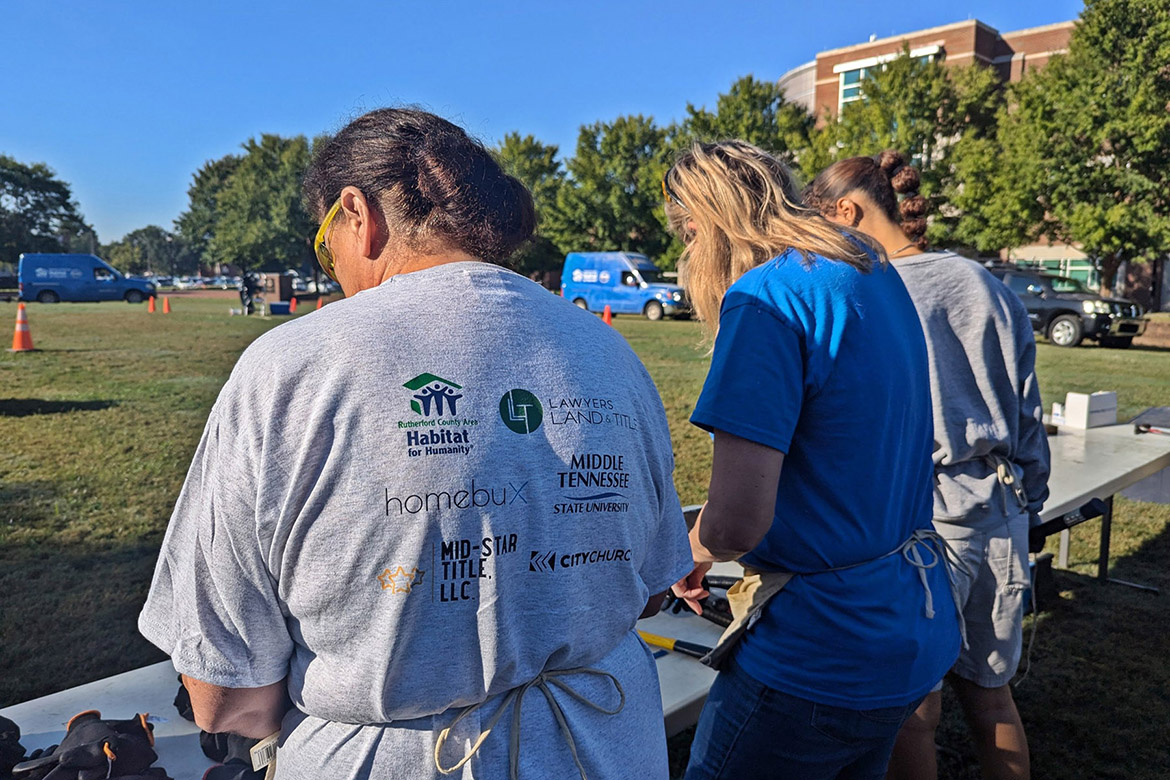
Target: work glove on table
point(11, 751)
point(93, 749)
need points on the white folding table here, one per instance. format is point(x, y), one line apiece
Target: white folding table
point(1099, 463)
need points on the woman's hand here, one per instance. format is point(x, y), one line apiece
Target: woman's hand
point(690, 588)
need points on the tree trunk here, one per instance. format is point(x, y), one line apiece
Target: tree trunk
point(1108, 267)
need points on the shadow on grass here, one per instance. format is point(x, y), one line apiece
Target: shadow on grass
point(58, 350)
point(69, 615)
point(27, 407)
point(26, 502)
point(1097, 699)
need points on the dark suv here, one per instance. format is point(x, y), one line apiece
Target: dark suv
point(1066, 311)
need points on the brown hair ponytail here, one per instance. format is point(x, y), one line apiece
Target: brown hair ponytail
point(887, 179)
point(904, 180)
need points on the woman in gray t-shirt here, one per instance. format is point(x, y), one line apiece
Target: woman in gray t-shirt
point(990, 450)
point(421, 507)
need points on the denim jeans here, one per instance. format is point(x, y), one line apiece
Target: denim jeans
point(748, 731)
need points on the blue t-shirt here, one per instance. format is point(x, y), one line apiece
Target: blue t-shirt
point(828, 365)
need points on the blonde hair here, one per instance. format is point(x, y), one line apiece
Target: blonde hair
point(746, 209)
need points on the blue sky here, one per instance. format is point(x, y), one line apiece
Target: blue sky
point(126, 99)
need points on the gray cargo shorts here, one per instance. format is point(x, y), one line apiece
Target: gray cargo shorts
point(992, 596)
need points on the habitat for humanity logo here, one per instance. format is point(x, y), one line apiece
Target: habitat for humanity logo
point(433, 392)
point(399, 580)
point(521, 411)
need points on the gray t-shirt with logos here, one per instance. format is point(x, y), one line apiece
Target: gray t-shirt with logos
point(416, 500)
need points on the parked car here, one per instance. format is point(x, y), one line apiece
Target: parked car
point(49, 278)
point(9, 287)
point(1066, 312)
point(626, 282)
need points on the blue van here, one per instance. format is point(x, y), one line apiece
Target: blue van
point(49, 278)
point(625, 281)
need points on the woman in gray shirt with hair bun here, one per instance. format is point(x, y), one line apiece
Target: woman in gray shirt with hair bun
point(422, 522)
point(990, 450)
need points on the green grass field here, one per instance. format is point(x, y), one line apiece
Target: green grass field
point(98, 427)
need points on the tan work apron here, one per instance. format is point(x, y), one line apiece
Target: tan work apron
point(748, 597)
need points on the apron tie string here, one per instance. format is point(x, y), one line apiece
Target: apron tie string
point(514, 699)
point(1006, 475)
point(938, 550)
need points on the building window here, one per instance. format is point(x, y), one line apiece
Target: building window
point(852, 74)
point(851, 84)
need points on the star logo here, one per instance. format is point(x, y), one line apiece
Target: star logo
point(399, 580)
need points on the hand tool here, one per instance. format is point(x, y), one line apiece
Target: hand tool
point(692, 649)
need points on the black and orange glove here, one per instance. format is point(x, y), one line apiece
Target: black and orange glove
point(11, 751)
point(94, 748)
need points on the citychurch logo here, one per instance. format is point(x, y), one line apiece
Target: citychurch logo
point(521, 411)
point(433, 393)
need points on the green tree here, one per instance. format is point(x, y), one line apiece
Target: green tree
point(612, 196)
point(1085, 147)
point(260, 221)
point(38, 213)
point(753, 111)
point(152, 250)
point(196, 226)
point(536, 165)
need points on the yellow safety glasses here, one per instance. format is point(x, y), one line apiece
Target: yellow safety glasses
point(668, 193)
point(324, 256)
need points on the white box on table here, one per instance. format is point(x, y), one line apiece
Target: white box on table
point(1082, 410)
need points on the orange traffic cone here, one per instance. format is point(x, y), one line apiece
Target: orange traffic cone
point(150, 306)
point(22, 338)
point(292, 305)
point(607, 315)
point(166, 305)
point(320, 301)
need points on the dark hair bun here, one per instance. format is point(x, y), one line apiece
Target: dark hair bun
point(433, 181)
point(476, 205)
point(912, 206)
point(913, 212)
point(905, 180)
point(903, 176)
point(890, 161)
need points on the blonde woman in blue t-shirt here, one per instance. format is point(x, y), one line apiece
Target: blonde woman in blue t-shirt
point(819, 401)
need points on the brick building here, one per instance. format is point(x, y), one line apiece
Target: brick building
point(834, 77)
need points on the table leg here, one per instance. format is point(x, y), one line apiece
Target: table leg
point(1103, 560)
point(1106, 532)
point(1062, 558)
